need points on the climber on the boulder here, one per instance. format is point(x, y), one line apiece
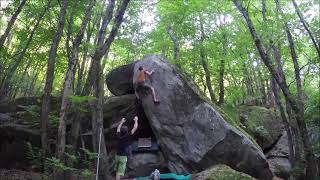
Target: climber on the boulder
point(140, 83)
point(124, 145)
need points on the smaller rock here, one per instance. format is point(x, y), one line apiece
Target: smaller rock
point(265, 125)
point(278, 158)
point(281, 149)
point(221, 172)
point(143, 164)
point(5, 117)
point(280, 166)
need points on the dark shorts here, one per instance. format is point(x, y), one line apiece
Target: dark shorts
point(141, 86)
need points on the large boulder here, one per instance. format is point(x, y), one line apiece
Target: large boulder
point(192, 134)
point(119, 82)
point(278, 158)
point(265, 125)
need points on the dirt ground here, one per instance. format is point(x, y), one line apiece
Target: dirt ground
point(14, 174)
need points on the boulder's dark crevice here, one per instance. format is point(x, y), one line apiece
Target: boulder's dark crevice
point(269, 148)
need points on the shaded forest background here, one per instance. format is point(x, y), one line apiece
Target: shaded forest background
point(237, 52)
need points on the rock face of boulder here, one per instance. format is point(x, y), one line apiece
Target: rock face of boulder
point(143, 164)
point(221, 172)
point(119, 82)
point(13, 149)
point(278, 158)
point(265, 125)
point(192, 135)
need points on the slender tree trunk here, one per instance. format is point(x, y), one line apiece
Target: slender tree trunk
point(262, 85)
point(28, 90)
point(67, 90)
point(294, 60)
point(76, 125)
point(205, 65)
point(96, 72)
point(11, 23)
point(310, 161)
point(296, 152)
point(176, 46)
point(90, 78)
point(284, 88)
point(14, 67)
point(248, 81)
point(97, 120)
point(21, 79)
point(306, 26)
point(221, 71)
point(257, 99)
point(69, 29)
point(285, 121)
point(76, 122)
point(101, 36)
point(45, 109)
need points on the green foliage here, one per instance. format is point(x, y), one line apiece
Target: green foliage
point(56, 164)
point(312, 109)
point(34, 155)
point(90, 155)
point(234, 121)
point(78, 103)
point(33, 110)
point(87, 174)
point(296, 171)
point(87, 163)
point(260, 121)
point(54, 119)
point(258, 131)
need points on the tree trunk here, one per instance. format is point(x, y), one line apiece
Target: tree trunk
point(310, 161)
point(262, 87)
point(221, 72)
point(90, 78)
point(296, 154)
point(97, 121)
point(205, 64)
point(248, 81)
point(45, 109)
point(285, 121)
point(67, 90)
point(306, 26)
point(76, 125)
point(96, 72)
point(76, 122)
point(29, 89)
point(19, 83)
point(11, 23)
point(294, 60)
point(176, 46)
point(105, 22)
point(284, 88)
point(14, 67)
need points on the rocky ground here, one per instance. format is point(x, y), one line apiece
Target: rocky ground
point(15, 174)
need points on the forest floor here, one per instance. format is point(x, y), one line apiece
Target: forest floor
point(14, 174)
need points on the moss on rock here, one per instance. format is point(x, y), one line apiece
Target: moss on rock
point(221, 172)
point(265, 125)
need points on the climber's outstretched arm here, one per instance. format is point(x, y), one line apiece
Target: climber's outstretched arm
point(123, 120)
point(135, 126)
point(149, 72)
